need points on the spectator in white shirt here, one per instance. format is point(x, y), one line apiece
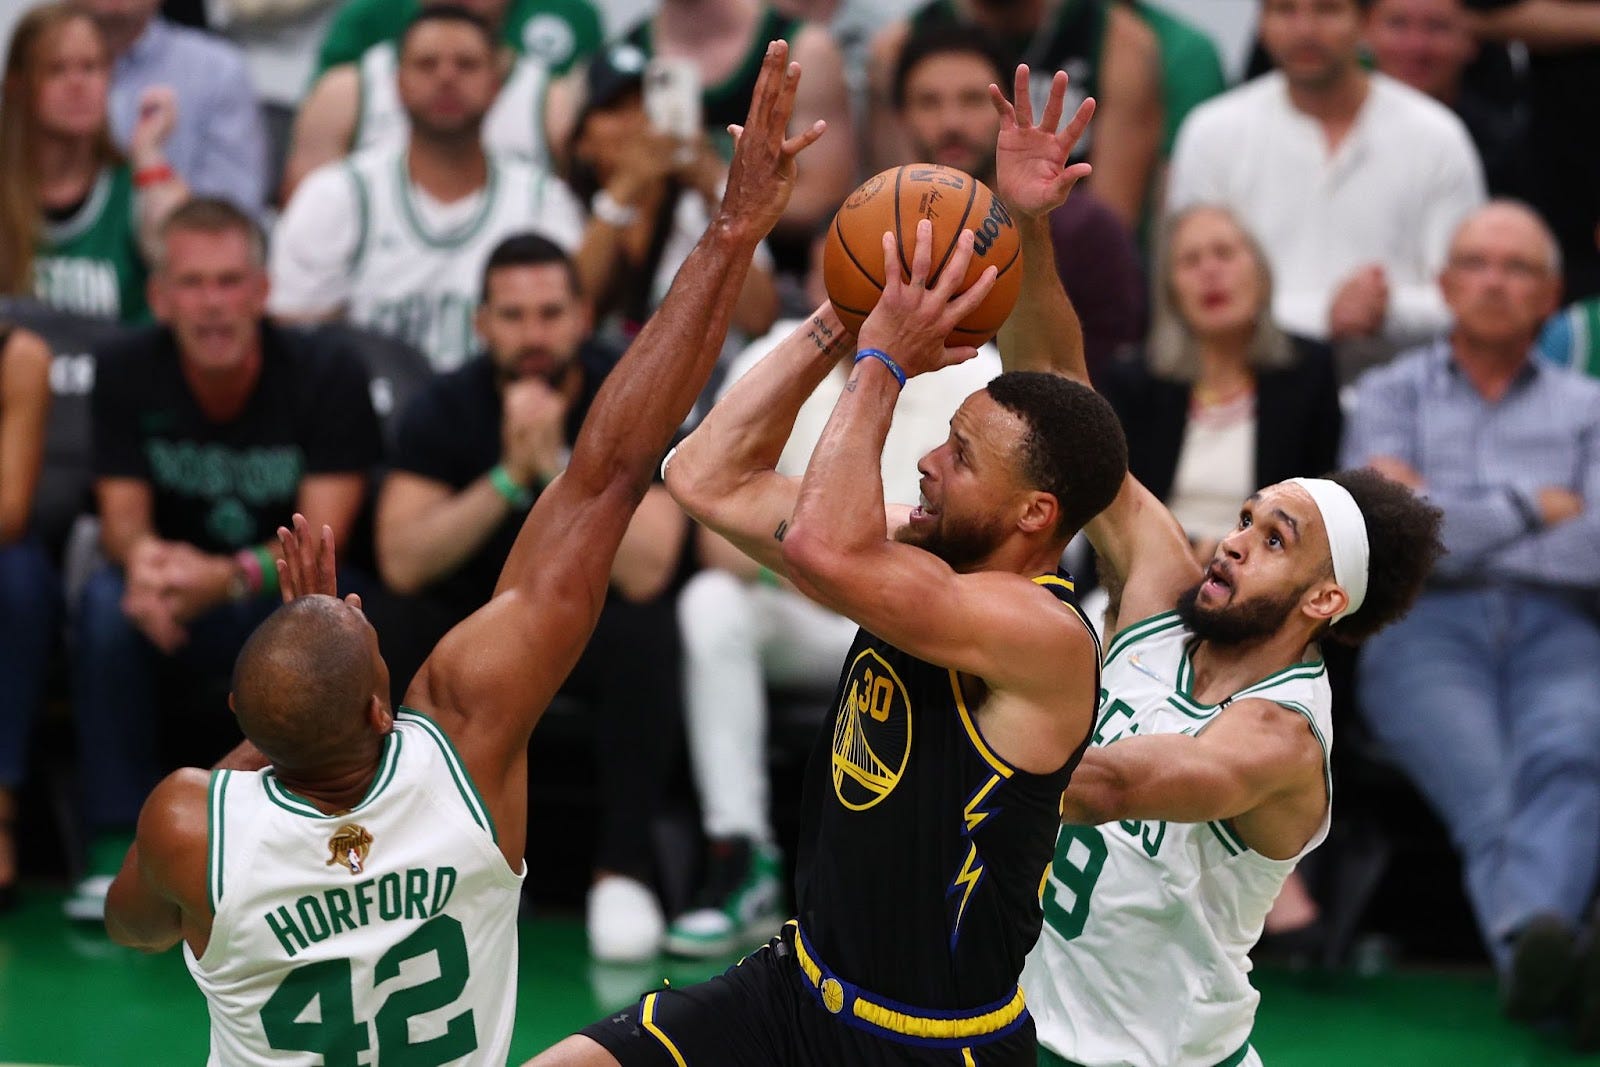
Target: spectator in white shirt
point(1352, 181)
point(395, 238)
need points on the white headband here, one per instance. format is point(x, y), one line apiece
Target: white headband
point(1347, 538)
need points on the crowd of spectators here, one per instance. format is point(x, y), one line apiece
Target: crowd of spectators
point(392, 311)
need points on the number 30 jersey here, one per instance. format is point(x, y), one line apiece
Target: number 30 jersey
point(1144, 956)
point(385, 934)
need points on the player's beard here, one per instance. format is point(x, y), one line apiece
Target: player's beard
point(959, 543)
point(1238, 622)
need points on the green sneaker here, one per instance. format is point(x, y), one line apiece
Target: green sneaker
point(88, 900)
point(741, 904)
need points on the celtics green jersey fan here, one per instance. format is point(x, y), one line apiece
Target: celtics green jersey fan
point(395, 237)
point(556, 33)
point(89, 260)
point(1207, 774)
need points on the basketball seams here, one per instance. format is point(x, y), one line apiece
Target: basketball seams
point(899, 242)
point(845, 244)
point(955, 238)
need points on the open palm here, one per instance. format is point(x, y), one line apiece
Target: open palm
point(1030, 160)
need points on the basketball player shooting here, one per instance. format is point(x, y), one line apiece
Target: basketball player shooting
point(1207, 778)
point(931, 797)
point(355, 898)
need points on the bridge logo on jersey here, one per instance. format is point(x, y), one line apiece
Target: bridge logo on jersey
point(872, 736)
point(349, 847)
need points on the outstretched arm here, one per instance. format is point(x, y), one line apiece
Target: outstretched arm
point(1137, 537)
point(725, 473)
point(491, 677)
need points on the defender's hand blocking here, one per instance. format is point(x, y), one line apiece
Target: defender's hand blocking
point(761, 177)
point(912, 320)
point(307, 566)
point(1031, 175)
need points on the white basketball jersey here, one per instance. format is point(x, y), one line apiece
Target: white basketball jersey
point(420, 282)
point(1144, 956)
point(386, 934)
point(514, 125)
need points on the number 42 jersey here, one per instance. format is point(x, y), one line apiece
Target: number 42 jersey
point(385, 934)
point(1143, 960)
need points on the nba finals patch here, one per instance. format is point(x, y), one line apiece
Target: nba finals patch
point(349, 847)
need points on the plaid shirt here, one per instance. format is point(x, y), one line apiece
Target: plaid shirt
point(1484, 462)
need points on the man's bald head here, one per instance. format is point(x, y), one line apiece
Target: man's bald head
point(1503, 276)
point(304, 683)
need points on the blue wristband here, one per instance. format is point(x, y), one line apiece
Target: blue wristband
point(883, 357)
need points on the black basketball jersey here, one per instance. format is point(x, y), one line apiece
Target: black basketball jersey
point(921, 851)
point(1070, 39)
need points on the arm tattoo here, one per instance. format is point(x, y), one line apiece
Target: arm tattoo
point(782, 531)
point(822, 335)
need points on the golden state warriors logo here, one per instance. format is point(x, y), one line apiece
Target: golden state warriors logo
point(349, 847)
point(872, 736)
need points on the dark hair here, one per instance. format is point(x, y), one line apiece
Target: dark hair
point(213, 215)
point(1403, 545)
point(528, 250)
point(1074, 449)
point(455, 13)
point(941, 39)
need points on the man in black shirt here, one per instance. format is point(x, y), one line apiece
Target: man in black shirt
point(474, 451)
point(210, 431)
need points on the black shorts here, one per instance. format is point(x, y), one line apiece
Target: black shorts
point(762, 1012)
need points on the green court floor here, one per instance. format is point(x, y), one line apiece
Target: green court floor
point(69, 996)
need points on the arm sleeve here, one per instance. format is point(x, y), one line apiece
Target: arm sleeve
point(314, 244)
point(233, 162)
point(115, 421)
point(343, 435)
point(1457, 188)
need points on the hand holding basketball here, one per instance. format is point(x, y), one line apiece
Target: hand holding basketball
point(895, 201)
point(914, 318)
point(1030, 161)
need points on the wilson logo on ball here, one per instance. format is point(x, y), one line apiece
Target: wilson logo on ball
point(984, 235)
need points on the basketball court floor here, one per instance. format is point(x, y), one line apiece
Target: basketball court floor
point(69, 996)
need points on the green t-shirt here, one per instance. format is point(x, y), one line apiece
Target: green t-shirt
point(1191, 69)
point(559, 32)
point(90, 264)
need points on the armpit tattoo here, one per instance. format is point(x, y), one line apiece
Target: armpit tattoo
point(782, 531)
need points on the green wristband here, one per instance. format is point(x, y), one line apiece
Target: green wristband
point(269, 570)
point(515, 495)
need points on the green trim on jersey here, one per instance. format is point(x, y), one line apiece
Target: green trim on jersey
point(216, 827)
point(363, 215)
point(1139, 631)
point(388, 763)
point(458, 769)
point(459, 236)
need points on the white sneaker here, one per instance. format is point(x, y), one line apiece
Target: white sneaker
point(625, 921)
point(88, 900)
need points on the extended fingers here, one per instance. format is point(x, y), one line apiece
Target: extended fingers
point(955, 268)
point(968, 302)
point(326, 582)
point(1021, 96)
point(805, 139)
point(891, 264)
point(1069, 137)
point(1002, 107)
point(1056, 104)
point(769, 82)
point(922, 254)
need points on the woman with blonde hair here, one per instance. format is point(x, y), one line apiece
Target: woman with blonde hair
point(75, 217)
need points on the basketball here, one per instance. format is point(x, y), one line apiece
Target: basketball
point(896, 200)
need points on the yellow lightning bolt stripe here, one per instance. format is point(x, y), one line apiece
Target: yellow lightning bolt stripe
point(971, 871)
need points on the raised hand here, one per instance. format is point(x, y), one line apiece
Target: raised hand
point(307, 566)
point(912, 320)
point(761, 177)
point(1030, 161)
point(158, 116)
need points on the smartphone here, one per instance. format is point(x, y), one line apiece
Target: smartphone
point(672, 98)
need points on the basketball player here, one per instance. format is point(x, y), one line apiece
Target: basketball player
point(931, 796)
point(1207, 776)
point(372, 869)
